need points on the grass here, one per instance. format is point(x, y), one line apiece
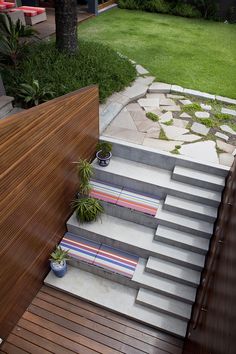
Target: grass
point(154, 117)
point(169, 122)
point(192, 108)
point(95, 63)
point(193, 53)
point(162, 135)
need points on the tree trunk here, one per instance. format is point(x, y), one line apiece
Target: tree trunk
point(66, 25)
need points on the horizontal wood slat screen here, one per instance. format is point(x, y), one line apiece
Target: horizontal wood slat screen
point(38, 182)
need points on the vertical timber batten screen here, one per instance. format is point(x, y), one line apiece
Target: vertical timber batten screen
point(38, 182)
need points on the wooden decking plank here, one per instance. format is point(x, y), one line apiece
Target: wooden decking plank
point(22, 342)
point(138, 344)
point(12, 349)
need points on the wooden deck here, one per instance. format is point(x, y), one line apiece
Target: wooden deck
point(59, 323)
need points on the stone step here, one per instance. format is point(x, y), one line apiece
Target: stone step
point(5, 105)
point(184, 223)
point(134, 238)
point(15, 110)
point(182, 239)
point(152, 180)
point(173, 271)
point(115, 297)
point(190, 208)
point(198, 178)
point(164, 304)
point(163, 285)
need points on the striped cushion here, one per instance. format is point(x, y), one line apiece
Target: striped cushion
point(116, 261)
point(9, 5)
point(39, 10)
point(2, 7)
point(104, 191)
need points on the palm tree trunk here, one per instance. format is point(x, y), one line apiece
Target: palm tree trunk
point(66, 25)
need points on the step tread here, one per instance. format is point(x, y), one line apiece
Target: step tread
point(5, 100)
point(164, 303)
point(202, 176)
point(154, 176)
point(185, 221)
point(189, 205)
point(115, 297)
point(173, 270)
point(183, 237)
point(163, 285)
point(136, 236)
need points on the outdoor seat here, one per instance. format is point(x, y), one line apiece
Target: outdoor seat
point(32, 14)
point(8, 5)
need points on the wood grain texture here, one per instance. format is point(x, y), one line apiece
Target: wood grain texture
point(38, 182)
point(56, 322)
point(216, 328)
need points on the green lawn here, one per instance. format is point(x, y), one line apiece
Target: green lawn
point(193, 53)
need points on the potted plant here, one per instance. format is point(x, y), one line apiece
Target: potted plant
point(85, 172)
point(104, 153)
point(58, 261)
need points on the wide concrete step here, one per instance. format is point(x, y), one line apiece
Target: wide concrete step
point(182, 239)
point(190, 208)
point(152, 180)
point(164, 304)
point(134, 238)
point(163, 285)
point(115, 297)
point(173, 271)
point(199, 178)
point(184, 223)
point(5, 105)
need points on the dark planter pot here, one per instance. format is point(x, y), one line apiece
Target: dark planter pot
point(59, 269)
point(103, 161)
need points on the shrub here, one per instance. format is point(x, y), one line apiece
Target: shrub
point(186, 10)
point(223, 116)
point(94, 63)
point(190, 108)
point(157, 6)
point(208, 122)
point(87, 209)
point(33, 95)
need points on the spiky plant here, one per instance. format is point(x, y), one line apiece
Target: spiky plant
point(87, 209)
point(59, 255)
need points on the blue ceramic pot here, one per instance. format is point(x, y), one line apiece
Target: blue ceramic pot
point(59, 269)
point(103, 161)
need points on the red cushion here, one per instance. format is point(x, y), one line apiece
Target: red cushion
point(9, 5)
point(2, 7)
point(28, 13)
point(39, 10)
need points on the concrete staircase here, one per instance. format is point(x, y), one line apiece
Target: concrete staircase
point(171, 245)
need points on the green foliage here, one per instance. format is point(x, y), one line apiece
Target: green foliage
point(186, 10)
point(34, 94)
point(160, 6)
point(94, 63)
point(162, 135)
point(223, 116)
point(87, 209)
point(208, 122)
point(154, 117)
point(85, 172)
point(104, 148)
point(191, 108)
point(59, 255)
point(208, 8)
point(10, 29)
point(175, 151)
point(169, 122)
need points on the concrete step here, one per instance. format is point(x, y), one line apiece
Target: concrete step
point(163, 285)
point(182, 239)
point(152, 180)
point(190, 208)
point(184, 223)
point(173, 271)
point(5, 105)
point(164, 304)
point(133, 238)
point(198, 178)
point(15, 110)
point(115, 297)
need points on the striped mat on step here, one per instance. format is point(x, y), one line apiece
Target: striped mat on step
point(125, 197)
point(98, 254)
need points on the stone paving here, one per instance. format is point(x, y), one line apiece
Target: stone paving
point(154, 114)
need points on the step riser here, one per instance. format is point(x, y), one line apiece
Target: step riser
point(183, 228)
point(180, 245)
point(130, 215)
point(197, 182)
point(171, 277)
point(179, 262)
point(189, 213)
point(154, 190)
point(161, 310)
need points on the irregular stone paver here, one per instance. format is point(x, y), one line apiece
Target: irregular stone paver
point(176, 88)
point(180, 123)
point(226, 159)
point(141, 70)
point(166, 117)
point(185, 115)
point(117, 97)
point(176, 97)
point(227, 129)
point(167, 102)
point(173, 132)
point(159, 87)
point(205, 150)
point(145, 80)
point(225, 99)
point(171, 108)
point(206, 107)
point(135, 92)
point(200, 128)
point(145, 126)
point(125, 134)
point(109, 113)
point(134, 107)
point(185, 102)
point(138, 116)
point(153, 110)
point(225, 147)
point(156, 95)
point(199, 94)
point(149, 102)
point(202, 115)
point(232, 112)
point(188, 138)
point(161, 144)
point(222, 136)
point(124, 120)
point(153, 133)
